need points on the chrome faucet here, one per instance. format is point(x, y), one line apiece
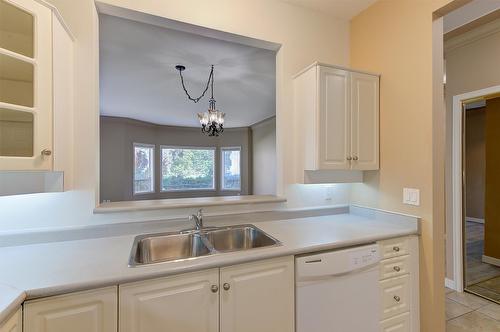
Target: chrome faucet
point(198, 219)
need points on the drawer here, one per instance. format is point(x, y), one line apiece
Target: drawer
point(394, 247)
point(395, 295)
point(400, 323)
point(394, 267)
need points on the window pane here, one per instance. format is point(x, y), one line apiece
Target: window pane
point(143, 169)
point(16, 133)
point(187, 169)
point(231, 178)
point(16, 29)
point(16, 81)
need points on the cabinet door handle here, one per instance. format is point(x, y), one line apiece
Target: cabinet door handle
point(396, 249)
point(397, 268)
point(355, 158)
point(226, 286)
point(349, 158)
point(397, 298)
point(214, 288)
point(46, 152)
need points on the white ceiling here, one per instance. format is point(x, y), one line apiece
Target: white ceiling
point(341, 9)
point(468, 13)
point(138, 79)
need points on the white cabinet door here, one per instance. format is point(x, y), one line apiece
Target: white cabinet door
point(334, 119)
point(183, 303)
point(25, 85)
point(364, 121)
point(92, 311)
point(258, 296)
point(14, 323)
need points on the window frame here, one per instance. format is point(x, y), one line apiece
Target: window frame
point(228, 148)
point(190, 147)
point(153, 168)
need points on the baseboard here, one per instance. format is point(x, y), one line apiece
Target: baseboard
point(448, 283)
point(491, 260)
point(472, 219)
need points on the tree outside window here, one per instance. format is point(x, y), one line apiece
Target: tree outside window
point(231, 165)
point(143, 168)
point(185, 169)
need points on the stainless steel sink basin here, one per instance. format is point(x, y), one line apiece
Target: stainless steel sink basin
point(239, 238)
point(149, 249)
point(163, 247)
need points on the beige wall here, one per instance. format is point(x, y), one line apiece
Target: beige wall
point(474, 162)
point(470, 66)
point(395, 39)
point(118, 136)
point(306, 36)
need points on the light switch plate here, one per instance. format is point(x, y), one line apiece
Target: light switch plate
point(411, 196)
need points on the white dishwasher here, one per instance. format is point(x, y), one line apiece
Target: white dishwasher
point(338, 291)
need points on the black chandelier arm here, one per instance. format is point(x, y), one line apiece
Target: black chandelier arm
point(212, 129)
point(210, 80)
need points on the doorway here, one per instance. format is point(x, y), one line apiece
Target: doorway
point(476, 162)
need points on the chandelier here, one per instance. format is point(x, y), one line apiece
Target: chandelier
point(212, 121)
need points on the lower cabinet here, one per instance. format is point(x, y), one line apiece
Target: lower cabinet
point(399, 323)
point(247, 297)
point(183, 303)
point(258, 296)
point(91, 311)
point(14, 323)
point(399, 285)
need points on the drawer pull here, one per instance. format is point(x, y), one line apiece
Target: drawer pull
point(397, 268)
point(397, 298)
point(226, 286)
point(214, 288)
point(396, 248)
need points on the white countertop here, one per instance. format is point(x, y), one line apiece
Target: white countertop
point(46, 269)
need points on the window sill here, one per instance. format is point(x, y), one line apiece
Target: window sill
point(176, 203)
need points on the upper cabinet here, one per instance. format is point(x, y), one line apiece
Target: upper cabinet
point(36, 88)
point(338, 119)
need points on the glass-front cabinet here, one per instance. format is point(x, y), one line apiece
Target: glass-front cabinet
point(25, 86)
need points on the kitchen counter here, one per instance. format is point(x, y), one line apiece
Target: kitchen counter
point(46, 269)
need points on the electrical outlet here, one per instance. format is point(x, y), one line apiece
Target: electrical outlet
point(411, 196)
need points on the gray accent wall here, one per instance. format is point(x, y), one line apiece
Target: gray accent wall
point(264, 157)
point(117, 136)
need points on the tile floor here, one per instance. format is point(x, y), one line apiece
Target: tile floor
point(467, 312)
point(478, 272)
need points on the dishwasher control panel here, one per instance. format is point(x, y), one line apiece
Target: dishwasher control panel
point(336, 261)
point(363, 257)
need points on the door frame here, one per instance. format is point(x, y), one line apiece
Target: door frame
point(457, 182)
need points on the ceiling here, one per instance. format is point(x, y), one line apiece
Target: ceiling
point(138, 78)
point(341, 9)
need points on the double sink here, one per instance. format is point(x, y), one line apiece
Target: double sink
point(174, 246)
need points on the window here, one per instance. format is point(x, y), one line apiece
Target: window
point(231, 176)
point(185, 169)
point(144, 168)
